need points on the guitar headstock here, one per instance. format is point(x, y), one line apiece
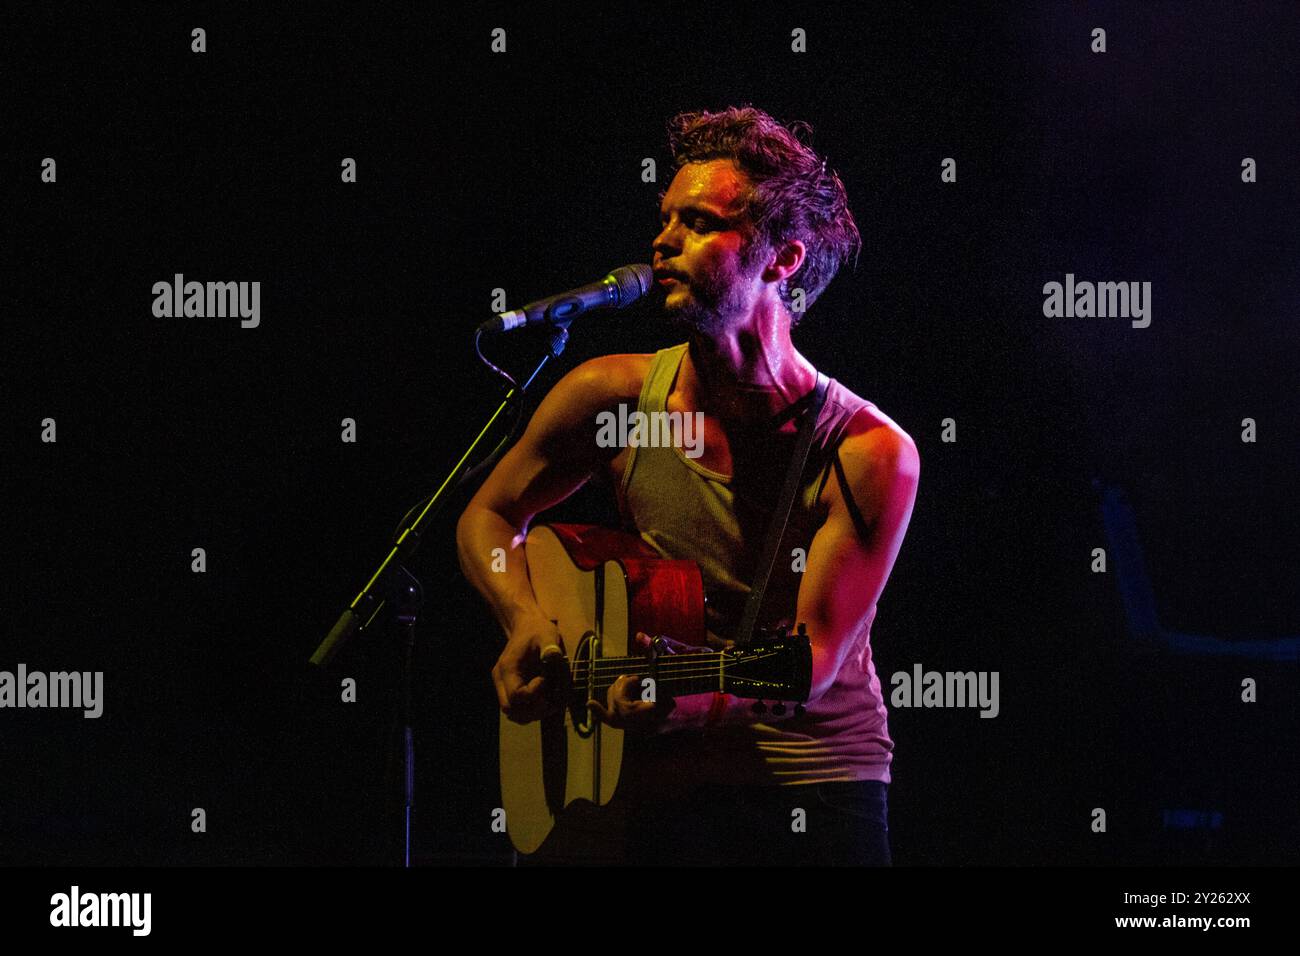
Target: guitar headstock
point(776, 665)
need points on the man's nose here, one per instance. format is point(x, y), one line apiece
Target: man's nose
point(666, 242)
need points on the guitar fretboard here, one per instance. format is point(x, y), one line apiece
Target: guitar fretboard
point(680, 674)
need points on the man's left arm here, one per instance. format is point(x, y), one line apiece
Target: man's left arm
point(873, 490)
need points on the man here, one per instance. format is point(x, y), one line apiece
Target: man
point(753, 229)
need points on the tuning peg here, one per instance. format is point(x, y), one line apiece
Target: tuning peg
point(759, 707)
point(800, 710)
point(778, 709)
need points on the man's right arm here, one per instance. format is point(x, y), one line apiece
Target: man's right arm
point(556, 455)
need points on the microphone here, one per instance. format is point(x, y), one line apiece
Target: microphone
point(617, 290)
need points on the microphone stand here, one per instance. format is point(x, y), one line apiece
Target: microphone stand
point(393, 586)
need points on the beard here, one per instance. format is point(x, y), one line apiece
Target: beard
point(709, 304)
point(695, 316)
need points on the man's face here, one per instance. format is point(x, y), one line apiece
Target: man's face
point(705, 241)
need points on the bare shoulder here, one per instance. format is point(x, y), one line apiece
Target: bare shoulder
point(879, 462)
point(608, 378)
point(871, 433)
point(596, 385)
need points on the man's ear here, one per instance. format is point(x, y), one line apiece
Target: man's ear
point(786, 261)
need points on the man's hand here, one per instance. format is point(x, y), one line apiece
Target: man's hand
point(527, 688)
point(624, 708)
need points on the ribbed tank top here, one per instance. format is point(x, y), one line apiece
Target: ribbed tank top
point(686, 511)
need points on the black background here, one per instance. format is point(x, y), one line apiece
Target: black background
point(522, 171)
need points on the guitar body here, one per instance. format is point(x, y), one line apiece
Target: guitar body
point(600, 587)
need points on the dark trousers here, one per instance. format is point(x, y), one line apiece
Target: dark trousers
point(827, 824)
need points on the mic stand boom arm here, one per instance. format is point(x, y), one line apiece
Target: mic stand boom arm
point(363, 610)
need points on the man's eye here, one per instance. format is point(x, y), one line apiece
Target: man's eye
point(698, 223)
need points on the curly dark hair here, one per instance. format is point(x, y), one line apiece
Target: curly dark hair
point(793, 196)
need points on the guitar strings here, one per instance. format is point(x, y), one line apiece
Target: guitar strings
point(677, 669)
point(705, 662)
point(711, 661)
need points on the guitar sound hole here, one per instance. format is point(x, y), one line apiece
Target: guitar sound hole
point(578, 699)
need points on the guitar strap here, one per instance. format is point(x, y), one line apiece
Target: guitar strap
point(781, 514)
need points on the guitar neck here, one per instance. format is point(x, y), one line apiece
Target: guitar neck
point(674, 675)
point(680, 674)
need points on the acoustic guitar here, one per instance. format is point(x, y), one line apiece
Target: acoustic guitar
point(601, 587)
